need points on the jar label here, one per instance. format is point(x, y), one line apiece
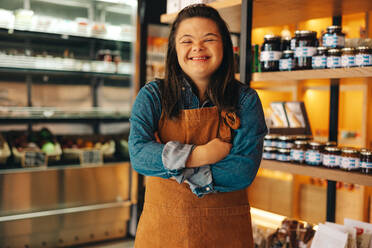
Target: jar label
point(333, 40)
point(347, 61)
point(286, 64)
point(331, 160)
point(270, 55)
point(305, 51)
point(319, 62)
point(349, 163)
point(283, 157)
point(366, 165)
point(333, 62)
point(283, 144)
point(270, 143)
point(293, 44)
point(268, 155)
point(297, 155)
point(312, 156)
point(363, 59)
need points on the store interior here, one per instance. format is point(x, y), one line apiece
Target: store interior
point(70, 71)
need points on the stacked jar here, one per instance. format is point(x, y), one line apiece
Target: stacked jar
point(270, 147)
point(305, 48)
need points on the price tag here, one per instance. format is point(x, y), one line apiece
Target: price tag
point(34, 159)
point(93, 156)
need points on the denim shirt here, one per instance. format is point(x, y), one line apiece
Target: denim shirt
point(236, 171)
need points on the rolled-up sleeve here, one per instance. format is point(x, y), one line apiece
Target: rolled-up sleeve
point(239, 168)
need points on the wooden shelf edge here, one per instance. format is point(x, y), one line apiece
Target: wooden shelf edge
point(219, 5)
point(319, 172)
point(313, 74)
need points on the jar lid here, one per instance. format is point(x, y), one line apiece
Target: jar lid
point(286, 138)
point(331, 143)
point(333, 51)
point(314, 143)
point(270, 149)
point(271, 136)
point(334, 27)
point(284, 150)
point(332, 149)
point(300, 142)
point(303, 137)
point(288, 52)
point(366, 153)
point(364, 49)
point(268, 37)
point(322, 48)
point(349, 150)
point(348, 49)
point(305, 33)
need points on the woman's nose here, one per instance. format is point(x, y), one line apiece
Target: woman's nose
point(198, 46)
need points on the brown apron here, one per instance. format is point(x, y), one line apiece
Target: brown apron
point(173, 217)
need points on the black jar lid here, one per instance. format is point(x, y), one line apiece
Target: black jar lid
point(321, 48)
point(334, 51)
point(331, 143)
point(300, 142)
point(349, 150)
point(303, 137)
point(332, 149)
point(286, 138)
point(284, 150)
point(334, 28)
point(307, 33)
point(271, 37)
point(366, 153)
point(348, 50)
point(314, 143)
point(288, 52)
point(364, 49)
point(270, 149)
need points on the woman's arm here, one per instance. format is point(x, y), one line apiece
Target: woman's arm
point(238, 169)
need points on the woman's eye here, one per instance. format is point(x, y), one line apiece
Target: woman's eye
point(208, 40)
point(186, 42)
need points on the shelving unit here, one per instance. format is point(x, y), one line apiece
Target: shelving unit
point(240, 18)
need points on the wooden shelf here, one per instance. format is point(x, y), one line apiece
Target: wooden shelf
point(319, 172)
point(276, 13)
point(312, 74)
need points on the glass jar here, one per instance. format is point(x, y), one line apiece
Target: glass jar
point(286, 63)
point(298, 151)
point(363, 56)
point(348, 57)
point(306, 44)
point(270, 53)
point(319, 60)
point(293, 40)
point(366, 161)
point(269, 153)
point(285, 142)
point(271, 140)
point(331, 157)
point(313, 155)
point(286, 43)
point(284, 155)
point(334, 37)
point(334, 58)
point(350, 159)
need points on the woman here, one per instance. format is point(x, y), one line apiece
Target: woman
point(198, 135)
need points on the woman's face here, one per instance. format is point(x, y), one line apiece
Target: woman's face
point(199, 48)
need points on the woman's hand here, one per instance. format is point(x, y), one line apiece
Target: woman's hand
point(210, 153)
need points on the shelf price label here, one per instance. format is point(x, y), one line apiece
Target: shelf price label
point(34, 159)
point(91, 156)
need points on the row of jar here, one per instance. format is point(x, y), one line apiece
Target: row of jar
point(287, 149)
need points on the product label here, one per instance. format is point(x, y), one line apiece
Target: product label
point(350, 163)
point(331, 160)
point(347, 61)
point(283, 144)
point(333, 40)
point(366, 165)
point(305, 51)
point(333, 62)
point(270, 55)
point(268, 155)
point(363, 59)
point(293, 44)
point(319, 62)
point(297, 155)
point(270, 143)
point(286, 64)
point(313, 157)
point(283, 157)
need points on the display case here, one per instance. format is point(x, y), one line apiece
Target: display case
point(67, 66)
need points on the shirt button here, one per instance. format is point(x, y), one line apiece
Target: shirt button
point(207, 189)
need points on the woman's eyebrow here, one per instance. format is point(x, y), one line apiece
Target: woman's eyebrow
point(185, 35)
point(213, 34)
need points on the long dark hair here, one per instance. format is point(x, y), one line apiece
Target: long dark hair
point(223, 88)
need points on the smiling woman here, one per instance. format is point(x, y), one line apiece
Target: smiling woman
point(198, 135)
